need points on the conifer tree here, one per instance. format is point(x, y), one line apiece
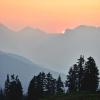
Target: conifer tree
point(41, 80)
point(51, 85)
point(33, 90)
point(13, 88)
point(91, 75)
point(71, 82)
point(1, 94)
point(37, 87)
point(80, 72)
point(59, 86)
point(83, 76)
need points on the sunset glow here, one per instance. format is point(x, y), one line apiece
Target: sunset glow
point(49, 15)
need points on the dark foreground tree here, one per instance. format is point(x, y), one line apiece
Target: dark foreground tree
point(83, 76)
point(41, 85)
point(51, 85)
point(41, 80)
point(1, 94)
point(59, 86)
point(13, 88)
point(91, 75)
point(80, 73)
point(37, 87)
point(71, 82)
point(33, 90)
point(75, 77)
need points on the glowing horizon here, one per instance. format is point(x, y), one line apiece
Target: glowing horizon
point(49, 15)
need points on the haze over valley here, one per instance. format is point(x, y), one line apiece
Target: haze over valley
point(52, 51)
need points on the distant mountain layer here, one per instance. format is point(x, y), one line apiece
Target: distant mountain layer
point(14, 64)
point(57, 52)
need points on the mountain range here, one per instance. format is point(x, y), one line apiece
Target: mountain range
point(53, 51)
point(24, 68)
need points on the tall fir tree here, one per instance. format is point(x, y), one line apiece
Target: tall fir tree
point(71, 82)
point(6, 90)
point(1, 94)
point(51, 84)
point(80, 72)
point(37, 87)
point(75, 77)
point(83, 76)
point(91, 75)
point(41, 78)
point(13, 88)
point(33, 90)
point(59, 86)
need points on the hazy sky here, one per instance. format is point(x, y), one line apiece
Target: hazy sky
point(49, 15)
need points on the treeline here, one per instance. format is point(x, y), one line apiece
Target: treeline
point(82, 76)
point(40, 86)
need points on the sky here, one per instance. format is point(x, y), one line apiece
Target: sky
point(49, 15)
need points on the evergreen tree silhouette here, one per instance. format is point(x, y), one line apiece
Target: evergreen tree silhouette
point(91, 78)
point(1, 94)
point(33, 90)
point(7, 83)
point(51, 85)
point(59, 86)
point(37, 87)
point(76, 74)
point(71, 82)
point(80, 72)
point(83, 76)
point(13, 88)
point(41, 78)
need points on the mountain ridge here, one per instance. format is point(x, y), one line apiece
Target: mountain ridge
point(18, 65)
point(56, 52)
point(37, 29)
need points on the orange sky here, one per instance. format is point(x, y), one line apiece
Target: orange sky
point(49, 15)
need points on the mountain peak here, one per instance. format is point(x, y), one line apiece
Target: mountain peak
point(84, 27)
point(2, 26)
point(81, 27)
point(5, 28)
point(31, 30)
point(28, 28)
